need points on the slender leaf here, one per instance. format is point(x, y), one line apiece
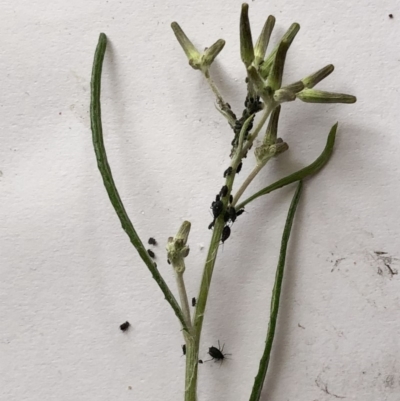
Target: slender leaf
point(276, 293)
point(301, 174)
point(102, 163)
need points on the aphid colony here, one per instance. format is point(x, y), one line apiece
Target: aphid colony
point(230, 213)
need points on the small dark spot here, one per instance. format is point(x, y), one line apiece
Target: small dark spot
point(224, 191)
point(151, 253)
point(239, 168)
point(302, 327)
point(124, 326)
point(168, 261)
point(230, 199)
point(184, 349)
point(152, 241)
point(193, 301)
point(129, 387)
point(391, 16)
point(239, 212)
point(226, 232)
point(200, 361)
point(59, 113)
point(211, 225)
point(228, 171)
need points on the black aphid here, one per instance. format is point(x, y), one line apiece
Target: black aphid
point(232, 214)
point(217, 354)
point(239, 167)
point(168, 261)
point(226, 232)
point(217, 207)
point(226, 217)
point(217, 198)
point(239, 212)
point(151, 253)
point(230, 199)
point(184, 349)
point(193, 301)
point(200, 361)
point(228, 171)
point(211, 225)
point(224, 191)
point(152, 241)
point(390, 15)
point(124, 326)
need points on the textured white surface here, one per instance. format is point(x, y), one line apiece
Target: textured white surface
point(69, 276)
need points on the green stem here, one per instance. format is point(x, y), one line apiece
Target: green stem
point(102, 163)
point(276, 293)
point(301, 174)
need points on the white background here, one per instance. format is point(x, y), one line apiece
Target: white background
point(69, 276)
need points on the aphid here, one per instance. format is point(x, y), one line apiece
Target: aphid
point(239, 212)
point(193, 301)
point(232, 214)
point(226, 232)
point(230, 199)
point(239, 167)
point(227, 172)
point(211, 225)
point(152, 241)
point(168, 261)
point(217, 354)
point(184, 349)
point(200, 361)
point(226, 217)
point(224, 191)
point(217, 207)
point(151, 253)
point(124, 326)
point(390, 15)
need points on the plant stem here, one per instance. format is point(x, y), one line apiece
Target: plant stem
point(184, 299)
point(108, 180)
point(247, 182)
point(276, 293)
point(258, 128)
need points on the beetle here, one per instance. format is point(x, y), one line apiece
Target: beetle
point(226, 232)
point(124, 326)
point(152, 241)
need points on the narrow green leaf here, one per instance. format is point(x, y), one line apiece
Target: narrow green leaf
point(276, 293)
point(301, 174)
point(104, 167)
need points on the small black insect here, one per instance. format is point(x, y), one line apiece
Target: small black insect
point(168, 261)
point(390, 15)
point(200, 361)
point(224, 191)
point(151, 253)
point(211, 225)
point(217, 354)
point(226, 217)
point(232, 214)
point(227, 172)
point(230, 199)
point(193, 301)
point(217, 198)
point(239, 167)
point(217, 207)
point(152, 241)
point(226, 232)
point(239, 212)
point(124, 326)
point(184, 349)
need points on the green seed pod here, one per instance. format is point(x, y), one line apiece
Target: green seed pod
point(318, 76)
point(263, 40)
point(246, 41)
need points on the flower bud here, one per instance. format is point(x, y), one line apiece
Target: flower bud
point(284, 95)
point(318, 76)
point(289, 36)
point(295, 87)
point(275, 78)
point(246, 41)
point(191, 52)
point(210, 54)
point(316, 96)
point(263, 40)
